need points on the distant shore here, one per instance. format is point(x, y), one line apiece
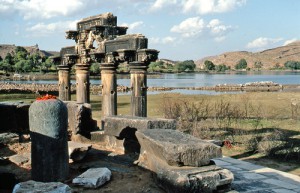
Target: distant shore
point(9, 87)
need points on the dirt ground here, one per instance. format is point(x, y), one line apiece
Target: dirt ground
point(126, 177)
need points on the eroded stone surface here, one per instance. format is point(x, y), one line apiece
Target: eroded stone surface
point(116, 125)
point(93, 178)
point(37, 187)
point(77, 151)
point(177, 148)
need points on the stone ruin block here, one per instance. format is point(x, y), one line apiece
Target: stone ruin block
point(182, 163)
point(116, 125)
point(80, 119)
point(119, 131)
point(176, 148)
point(14, 117)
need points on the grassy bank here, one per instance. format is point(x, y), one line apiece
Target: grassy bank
point(261, 127)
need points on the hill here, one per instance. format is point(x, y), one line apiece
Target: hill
point(7, 48)
point(269, 58)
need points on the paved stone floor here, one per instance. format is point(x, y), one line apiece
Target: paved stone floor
point(251, 178)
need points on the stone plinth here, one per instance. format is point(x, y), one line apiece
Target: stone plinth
point(82, 83)
point(109, 89)
point(48, 121)
point(138, 79)
point(115, 125)
point(64, 87)
point(176, 148)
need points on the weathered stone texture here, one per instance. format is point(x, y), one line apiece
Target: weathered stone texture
point(48, 122)
point(77, 151)
point(80, 118)
point(37, 187)
point(93, 178)
point(114, 125)
point(176, 148)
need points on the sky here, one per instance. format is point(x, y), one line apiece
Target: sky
point(179, 29)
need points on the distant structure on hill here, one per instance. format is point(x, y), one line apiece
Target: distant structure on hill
point(269, 58)
point(168, 61)
point(10, 48)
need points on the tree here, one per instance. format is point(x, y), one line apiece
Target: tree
point(258, 65)
point(9, 58)
point(95, 68)
point(242, 64)
point(294, 65)
point(46, 65)
point(209, 65)
point(187, 65)
point(1, 58)
point(7, 67)
point(156, 66)
point(221, 68)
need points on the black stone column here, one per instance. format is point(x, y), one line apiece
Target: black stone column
point(138, 76)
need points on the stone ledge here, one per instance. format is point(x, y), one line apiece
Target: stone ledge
point(114, 125)
point(176, 148)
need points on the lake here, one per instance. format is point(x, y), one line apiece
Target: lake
point(201, 79)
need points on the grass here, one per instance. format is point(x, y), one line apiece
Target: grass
point(251, 121)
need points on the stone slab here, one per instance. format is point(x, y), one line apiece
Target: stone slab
point(38, 187)
point(19, 159)
point(77, 151)
point(93, 178)
point(176, 148)
point(114, 125)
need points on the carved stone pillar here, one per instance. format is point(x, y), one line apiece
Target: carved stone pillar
point(138, 76)
point(109, 88)
point(64, 86)
point(82, 83)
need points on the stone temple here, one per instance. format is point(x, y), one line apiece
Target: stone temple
point(179, 162)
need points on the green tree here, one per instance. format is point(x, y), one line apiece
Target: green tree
point(258, 64)
point(9, 58)
point(222, 68)
point(95, 68)
point(187, 65)
point(35, 60)
point(5, 66)
point(46, 65)
point(156, 66)
point(209, 65)
point(294, 65)
point(242, 64)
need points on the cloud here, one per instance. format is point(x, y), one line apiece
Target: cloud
point(211, 6)
point(290, 41)
point(42, 29)
point(164, 40)
point(133, 26)
point(263, 42)
point(195, 27)
point(42, 9)
point(190, 27)
point(159, 4)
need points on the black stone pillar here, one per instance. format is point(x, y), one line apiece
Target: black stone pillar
point(64, 86)
point(82, 83)
point(48, 122)
point(138, 76)
point(109, 88)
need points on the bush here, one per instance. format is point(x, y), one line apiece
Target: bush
point(209, 65)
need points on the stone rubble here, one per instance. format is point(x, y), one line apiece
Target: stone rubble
point(93, 178)
point(38, 187)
